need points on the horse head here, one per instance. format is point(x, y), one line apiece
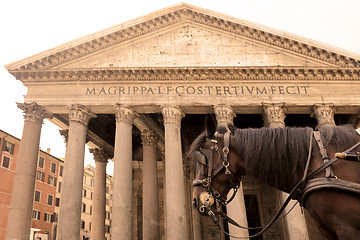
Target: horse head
point(218, 166)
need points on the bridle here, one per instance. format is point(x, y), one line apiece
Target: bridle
point(205, 157)
point(212, 196)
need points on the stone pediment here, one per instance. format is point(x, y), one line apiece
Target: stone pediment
point(192, 45)
point(186, 36)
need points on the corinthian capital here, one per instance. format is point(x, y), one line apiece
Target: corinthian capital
point(149, 138)
point(224, 114)
point(80, 113)
point(274, 115)
point(99, 155)
point(172, 115)
point(33, 112)
point(124, 114)
point(324, 114)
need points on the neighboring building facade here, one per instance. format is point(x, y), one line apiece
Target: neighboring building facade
point(138, 93)
point(87, 203)
point(45, 194)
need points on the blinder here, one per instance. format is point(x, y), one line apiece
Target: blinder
point(205, 157)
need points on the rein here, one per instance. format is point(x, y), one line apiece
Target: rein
point(205, 157)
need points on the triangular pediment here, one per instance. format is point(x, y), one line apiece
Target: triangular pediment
point(193, 45)
point(187, 36)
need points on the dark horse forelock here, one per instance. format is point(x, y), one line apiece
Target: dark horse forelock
point(278, 155)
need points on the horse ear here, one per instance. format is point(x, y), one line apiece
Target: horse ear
point(210, 125)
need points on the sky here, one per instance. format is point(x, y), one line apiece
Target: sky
point(30, 27)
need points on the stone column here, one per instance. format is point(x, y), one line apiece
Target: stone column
point(236, 208)
point(151, 227)
point(20, 215)
point(177, 227)
point(99, 197)
point(196, 218)
point(121, 226)
point(324, 114)
point(295, 223)
point(71, 196)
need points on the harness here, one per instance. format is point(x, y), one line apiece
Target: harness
point(307, 185)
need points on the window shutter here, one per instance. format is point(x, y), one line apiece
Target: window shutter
point(4, 146)
point(12, 149)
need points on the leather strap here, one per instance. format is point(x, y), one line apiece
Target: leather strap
point(328, 171)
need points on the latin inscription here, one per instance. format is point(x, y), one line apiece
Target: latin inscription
point(199, 90)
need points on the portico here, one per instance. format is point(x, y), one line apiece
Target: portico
point(140, 91)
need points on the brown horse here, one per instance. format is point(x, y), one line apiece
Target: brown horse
point(278, 157)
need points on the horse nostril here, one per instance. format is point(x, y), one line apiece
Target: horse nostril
point(195, 202)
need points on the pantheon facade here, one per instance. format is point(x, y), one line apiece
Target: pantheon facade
point(137, 94)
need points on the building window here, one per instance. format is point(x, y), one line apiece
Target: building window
point(5, 162)
point(89, 226)
point(37, 196)
point(107, 215)
point(50, 199)
point(52, 180)
point(61, 170)
point(83, 207)
point(57, 202)
point(107, 189)
point(8, 147)
point(90, 209)
point(41, 162)
point(40, 176)
point(107, 202)
point(91, 195)
point(53, 168)
point(82, 224)
point(84, 192)
point(59, 187)
point(48, 217)
point(36, 214)
point(107, 228)
point(92, 182)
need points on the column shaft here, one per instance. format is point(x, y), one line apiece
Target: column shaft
point(20, 215)
point(71, 196)
point(236, 209)
point(99, 197)
point(151, 229)
point(177, 227)
point(122, 180)
point(295, 223)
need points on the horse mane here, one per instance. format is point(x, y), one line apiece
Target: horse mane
point(278, 156)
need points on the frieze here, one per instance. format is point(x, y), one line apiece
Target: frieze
point(206, 90)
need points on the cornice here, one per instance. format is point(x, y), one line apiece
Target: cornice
point(189, 74)
point(184, 12)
